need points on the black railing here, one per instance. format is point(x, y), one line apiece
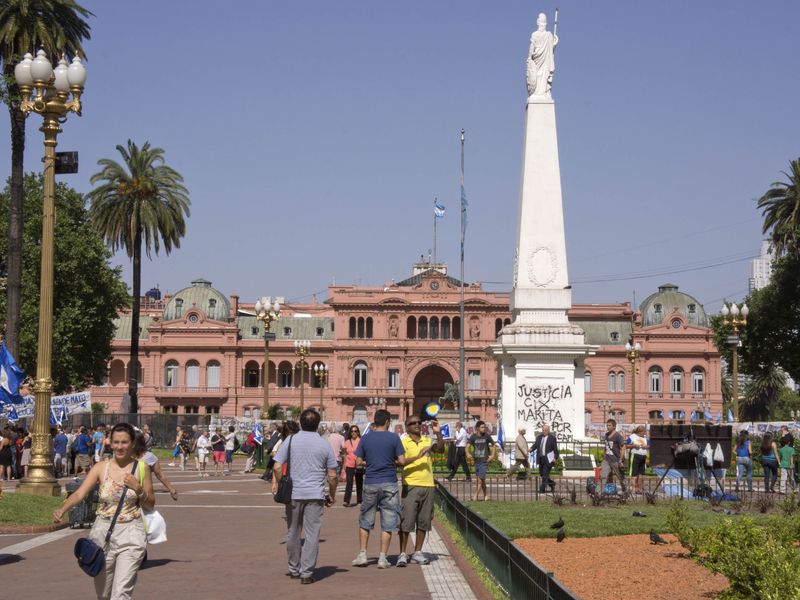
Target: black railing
point(518, 574)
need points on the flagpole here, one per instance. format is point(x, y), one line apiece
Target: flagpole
point(461, 399)
point(434, 231)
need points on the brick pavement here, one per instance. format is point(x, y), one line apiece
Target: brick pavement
point(226, 537)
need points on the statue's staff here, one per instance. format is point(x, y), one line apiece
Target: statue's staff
point(555, 28)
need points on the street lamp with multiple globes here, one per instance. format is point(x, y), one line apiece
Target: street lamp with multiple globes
point(321, 372)
point(735, 317)
point(632, 351)
point(703, 407)
point(46, 91)
point(605, 406)
point(301, 348)
point(267, 312)
point(377, 401)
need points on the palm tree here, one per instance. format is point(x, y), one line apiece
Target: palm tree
point(56, 26)
point(781, 211)
point(140, 202)
point(763, 390)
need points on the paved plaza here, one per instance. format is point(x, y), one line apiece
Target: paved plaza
point(226, 539)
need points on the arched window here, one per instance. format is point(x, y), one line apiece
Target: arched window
point(422, 328)
point(698, 415)
point(617, 415)
point(506, 322)
point(212, 374)
point(192, 374)
point(361, 328)
point(587, 381)
point(456, 328)
point(612, 382)
point(498, 325)
point(677, 415)
point(445, 328)
point(676, 380)
point(434, 328)
point(654, 377)
point(352, 328)
point(117, 372)
point(698, 380)
point(171, 373)
point(654, 414)
point(369, 328)
point(620, 381)
point(359, 414)
point(360, 375)
point(251, 374)
point(192, 409)
point(411, 328)
point(212, 410)
point(285, 370)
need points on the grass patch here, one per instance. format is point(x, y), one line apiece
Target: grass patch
point(523, 520)
point(23, 509)
point(483, 573)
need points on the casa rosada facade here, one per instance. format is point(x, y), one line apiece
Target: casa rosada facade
point(396, 347)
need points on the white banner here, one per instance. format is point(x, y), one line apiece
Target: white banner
point(78, 403)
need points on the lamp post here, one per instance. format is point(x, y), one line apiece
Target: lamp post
point(301, 348)
point(321, 372)
point(703, 406)
point(267, 312)
point(46, 91)
point(632, 352)
point(377, 401)
point(736, 318)
point(605, 406)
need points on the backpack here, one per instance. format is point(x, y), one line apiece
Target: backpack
point(248, 448)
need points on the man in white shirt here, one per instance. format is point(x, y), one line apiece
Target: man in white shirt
point(336, 440)
point(461, 452)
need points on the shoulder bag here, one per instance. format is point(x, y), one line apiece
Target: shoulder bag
point(284, 493)
point(91, 557)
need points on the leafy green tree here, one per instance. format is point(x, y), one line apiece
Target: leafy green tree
point(762, 393)
point(141, 202)
point(88, 293)
point(780, 207)
point(56, 26)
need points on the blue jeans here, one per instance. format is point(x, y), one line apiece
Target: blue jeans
point(385, 498)
point(770, 473)
point(744, 466)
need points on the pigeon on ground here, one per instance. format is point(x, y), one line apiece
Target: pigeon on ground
point(656, 539)
point(637, 513)
point(561, 535)
point(558, 524)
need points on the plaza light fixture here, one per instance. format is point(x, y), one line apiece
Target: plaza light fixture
point(703, 407)
point(632, 351)
point(321, 373)
point(377, 401)
point(267, 312)
point(605, 406)
point(301, 348)
point(46, 91)
point(737, 318)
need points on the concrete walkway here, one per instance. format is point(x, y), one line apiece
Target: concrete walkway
point(226, 539)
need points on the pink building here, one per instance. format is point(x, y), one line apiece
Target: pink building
point(396, 346)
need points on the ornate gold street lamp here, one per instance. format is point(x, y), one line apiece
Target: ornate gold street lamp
point(267, 312)
point(736, 318)
point(632, 352)
point(321, 372)
point(46, 91)
point(301, 348)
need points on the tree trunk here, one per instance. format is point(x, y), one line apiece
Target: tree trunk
point(133, 369)
point(14, 281)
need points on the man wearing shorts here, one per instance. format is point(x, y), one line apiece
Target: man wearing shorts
point(218, 448)
point(381, 451)
point(82, 446)
point(482, 449)
point(416, 512)
point(637, 449)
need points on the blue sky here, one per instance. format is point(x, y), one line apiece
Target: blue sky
point(313, 136)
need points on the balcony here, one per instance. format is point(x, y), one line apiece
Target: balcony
point(174, 391)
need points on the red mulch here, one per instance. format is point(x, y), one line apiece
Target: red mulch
point(624, 567)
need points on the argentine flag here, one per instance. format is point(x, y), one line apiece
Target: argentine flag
point(12, 415)
point(11, 376)
point(501, 438)
point(438, 210)
point(64, 412)
point(53, 418)
point(258, 434)
point(730, 416)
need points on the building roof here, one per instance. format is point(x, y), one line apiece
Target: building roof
point(301, 328)
point(123, 326)
point(198, 295)
point(419, 277)
point(667, 300)
point(605, 333)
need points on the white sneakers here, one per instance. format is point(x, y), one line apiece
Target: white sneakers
point(361, 559)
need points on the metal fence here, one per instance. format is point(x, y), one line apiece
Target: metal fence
point(518, 574)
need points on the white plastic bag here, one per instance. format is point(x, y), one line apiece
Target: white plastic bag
point(154, 526)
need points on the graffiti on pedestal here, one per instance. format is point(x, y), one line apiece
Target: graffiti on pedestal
point(539, 403)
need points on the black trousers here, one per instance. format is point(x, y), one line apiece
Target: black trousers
point(544, 472)
point(350, 473)
point(461, 461)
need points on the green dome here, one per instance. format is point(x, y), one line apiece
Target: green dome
point(199, 295)
point(657, 307)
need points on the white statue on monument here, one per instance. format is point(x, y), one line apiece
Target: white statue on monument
point(541, 61)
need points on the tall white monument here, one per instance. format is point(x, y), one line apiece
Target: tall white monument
point(541, 354)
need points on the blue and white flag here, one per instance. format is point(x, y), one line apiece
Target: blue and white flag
point(12, 415)
point(53, 418)
point(719, 417)
point(707, 416)
point(683, 414)
point(445, 429)
point(64, 413)
point(11, 376)
point(730, 416)
point(366, 429)
point(501, 438)
point(438, 210)
point(693, 416)
point(258, 433)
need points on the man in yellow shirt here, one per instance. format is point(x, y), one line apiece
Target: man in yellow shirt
point(416, 512)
